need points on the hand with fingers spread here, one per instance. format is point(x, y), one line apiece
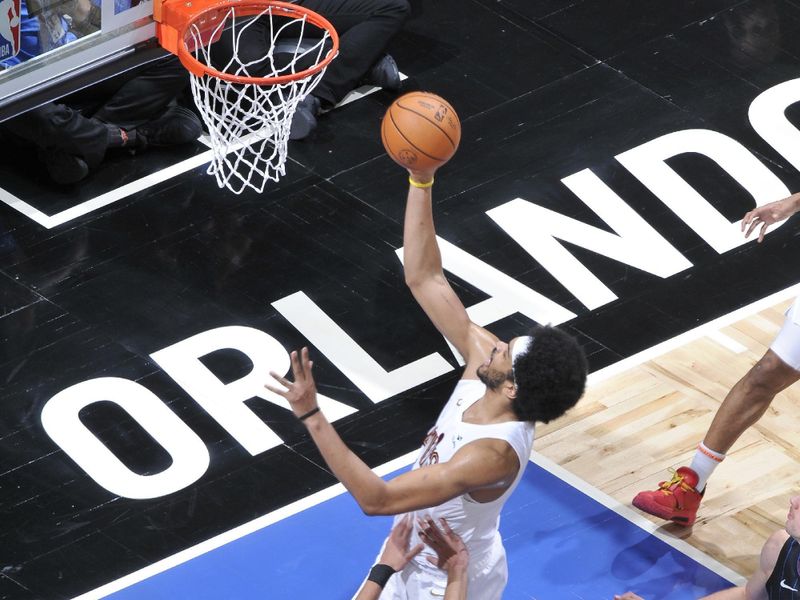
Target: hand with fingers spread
point(450, 549)
point(451, 555)
point(302, 392)
point(762, 217)
point(396, 553)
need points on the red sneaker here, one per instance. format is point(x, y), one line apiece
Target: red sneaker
point(675, 500)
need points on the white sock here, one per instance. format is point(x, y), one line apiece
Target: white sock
point(704, 462)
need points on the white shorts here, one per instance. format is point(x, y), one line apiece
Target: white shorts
point(787, 342)
point(487, 579)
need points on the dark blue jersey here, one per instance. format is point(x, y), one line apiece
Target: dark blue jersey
point(784, 583)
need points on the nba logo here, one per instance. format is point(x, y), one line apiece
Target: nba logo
point(9, 28)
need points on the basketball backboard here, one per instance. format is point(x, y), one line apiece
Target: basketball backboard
point(51, 48)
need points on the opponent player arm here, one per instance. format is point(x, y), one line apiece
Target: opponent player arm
point(475, 466)
point(769, 214)
point(395, 555)
point(424, 275)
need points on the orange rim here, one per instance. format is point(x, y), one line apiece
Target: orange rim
point(254, 8)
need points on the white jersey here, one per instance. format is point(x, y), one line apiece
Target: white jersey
point(476, 522)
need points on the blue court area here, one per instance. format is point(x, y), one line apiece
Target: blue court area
point(561, 544)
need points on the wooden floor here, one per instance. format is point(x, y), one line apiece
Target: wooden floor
point(631, 428)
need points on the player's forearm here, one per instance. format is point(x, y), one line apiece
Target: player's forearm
point(421, 257)
point(367, 488)
point(793, 202)
point(369, 591)
point(456, 583)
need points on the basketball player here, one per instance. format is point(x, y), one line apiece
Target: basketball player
point(679, 498)
point(473, 457)
point(777, 577)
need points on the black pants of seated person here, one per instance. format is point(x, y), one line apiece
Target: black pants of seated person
point(77, 124)
point(365, 28)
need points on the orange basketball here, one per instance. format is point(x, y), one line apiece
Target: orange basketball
point(420, 131)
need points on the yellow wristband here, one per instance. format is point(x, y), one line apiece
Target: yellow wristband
point(417, 184)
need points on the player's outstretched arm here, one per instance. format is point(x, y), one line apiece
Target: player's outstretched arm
point(355, 475)
point(762, 217)
point(755, 589)
point(735, 593)
point(425, 277)
point(480, 464)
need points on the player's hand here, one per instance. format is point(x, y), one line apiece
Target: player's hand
point(396, 553)
point(762, 217)
point(627, 596)
point(451, 552)
point(302, 392)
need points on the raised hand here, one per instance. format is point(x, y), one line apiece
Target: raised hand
point(302, 392)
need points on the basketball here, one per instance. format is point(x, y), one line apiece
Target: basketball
point(420, 131)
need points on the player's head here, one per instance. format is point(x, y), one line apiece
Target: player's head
point(548, 372)
point(793, 518)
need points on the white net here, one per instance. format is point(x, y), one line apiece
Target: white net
point(249, 124)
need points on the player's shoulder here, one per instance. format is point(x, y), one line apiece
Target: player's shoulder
point(493, 451)
point(772, 549)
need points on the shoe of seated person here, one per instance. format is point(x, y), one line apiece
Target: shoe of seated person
point(304, 120)
point(178, 125)
point(63, 168)
point(384, 74)
point(675, 500)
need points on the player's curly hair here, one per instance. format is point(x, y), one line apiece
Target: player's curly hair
point(550, 376)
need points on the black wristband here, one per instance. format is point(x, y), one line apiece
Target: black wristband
point(380, 574)
point(313, 411)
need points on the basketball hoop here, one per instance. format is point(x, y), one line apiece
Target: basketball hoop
point(248, 116)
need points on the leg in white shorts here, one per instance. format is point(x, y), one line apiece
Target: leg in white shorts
point(787, 342)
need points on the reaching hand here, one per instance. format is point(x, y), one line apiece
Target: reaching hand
point(627, 596)
point(769, 214)
point(302, 392)
point(396, 553)
point(451, 552)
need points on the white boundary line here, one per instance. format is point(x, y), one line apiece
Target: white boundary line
point(50, 221)
point(555, 469)
point(727, 342)
point(652, 528)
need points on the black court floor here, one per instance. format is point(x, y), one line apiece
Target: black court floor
point(608, 150)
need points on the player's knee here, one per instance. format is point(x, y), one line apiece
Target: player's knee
point(769, 376)
point(55, 122)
